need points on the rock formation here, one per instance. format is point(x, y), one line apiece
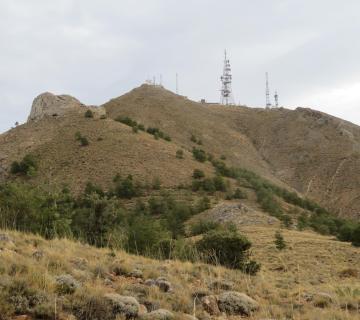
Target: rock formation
point(48, 104)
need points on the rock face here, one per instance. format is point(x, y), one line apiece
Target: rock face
point(50, 105)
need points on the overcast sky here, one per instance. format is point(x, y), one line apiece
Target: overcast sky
point(99, 49)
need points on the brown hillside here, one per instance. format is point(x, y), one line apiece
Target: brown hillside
point(113, 149)
point(313, 152)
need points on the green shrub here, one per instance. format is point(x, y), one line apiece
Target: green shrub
point(219, 183)
point(126, 188)
point(279, 241)
point(27, 166)
point(89, 114)
point(229, 249)
point(127, 120)
point(84, 141)
point(199, 154)
point(203, 226)
point(238, 194)
point(198, 174)
point(179, 154)
point(208, 185)
point(202, 204)
point(144, 235)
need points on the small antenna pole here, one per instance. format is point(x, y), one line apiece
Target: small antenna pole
point(276, 97)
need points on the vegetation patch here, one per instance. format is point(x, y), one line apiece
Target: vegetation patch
point(26, 167)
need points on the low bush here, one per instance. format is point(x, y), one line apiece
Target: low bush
point(203, 226)
point(26, 167)
point(227, 248)
point(198, 174)
point(82, 139)
point(199, 154)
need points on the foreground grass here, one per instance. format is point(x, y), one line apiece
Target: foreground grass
point(315, 278)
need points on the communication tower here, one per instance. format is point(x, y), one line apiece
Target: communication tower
point(226, 79)
point(276, 97)
point(267, 92)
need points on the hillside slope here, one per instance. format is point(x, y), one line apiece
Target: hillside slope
point(314, 153)
point(306, 281)
point(113, 148)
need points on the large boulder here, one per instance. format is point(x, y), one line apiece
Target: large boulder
point(236, 303)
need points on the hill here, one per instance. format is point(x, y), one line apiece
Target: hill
point(113, 148)
point(312, 152)
point(133, 198)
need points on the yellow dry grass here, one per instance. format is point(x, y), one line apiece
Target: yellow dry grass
point(312, 265)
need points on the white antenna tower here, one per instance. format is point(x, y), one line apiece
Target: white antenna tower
point(226, 91)
point(268, 103)
point(276, 97)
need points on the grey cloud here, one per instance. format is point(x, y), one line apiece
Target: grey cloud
point(96, 50)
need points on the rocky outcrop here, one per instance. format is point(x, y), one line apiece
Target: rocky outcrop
point(50, 105)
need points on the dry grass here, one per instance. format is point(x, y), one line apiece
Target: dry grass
point(279, 144)
point(64, 162)
point(293, 284)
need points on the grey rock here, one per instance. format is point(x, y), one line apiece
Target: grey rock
point(5, 238)
point(210, 305)
point(66, 284)
point(221, 285)
point(123, 305)
point(136, 273)
point(163, 284)
point(236, 303)
point(150, 282)
point(38, 255)
point(160, 314)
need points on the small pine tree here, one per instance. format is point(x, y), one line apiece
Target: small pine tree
point(279, 241)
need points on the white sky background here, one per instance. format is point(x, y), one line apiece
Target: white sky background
point(99, 49)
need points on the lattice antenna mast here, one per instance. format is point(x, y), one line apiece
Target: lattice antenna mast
point(276, 97)
point(268, 103)
point(226, 79)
